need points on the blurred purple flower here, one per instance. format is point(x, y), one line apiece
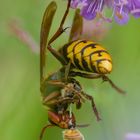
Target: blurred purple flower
point(120, 9)
point(95, 30)
point(134, 7)
point(132, 136)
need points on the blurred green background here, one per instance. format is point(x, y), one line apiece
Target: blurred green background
point(21, 113)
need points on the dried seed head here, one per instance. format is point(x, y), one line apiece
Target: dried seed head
point(72, 134)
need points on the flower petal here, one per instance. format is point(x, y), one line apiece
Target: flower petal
point(122, 18)
point(136, 13)
point(89, 11)
point(74, 3)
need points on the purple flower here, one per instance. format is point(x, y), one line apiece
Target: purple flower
point(90, 10)
point(132, 136)
point(121, 15)
point(134, 7)
point(97, 28)
point(121, 9)
point(78, 3)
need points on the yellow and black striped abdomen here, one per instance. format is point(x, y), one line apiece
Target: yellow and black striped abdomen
point(87, 56)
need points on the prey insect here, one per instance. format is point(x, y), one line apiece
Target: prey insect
point(57, 91)
point(80, 57)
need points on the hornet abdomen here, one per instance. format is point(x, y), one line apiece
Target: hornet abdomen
point(87, 56)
